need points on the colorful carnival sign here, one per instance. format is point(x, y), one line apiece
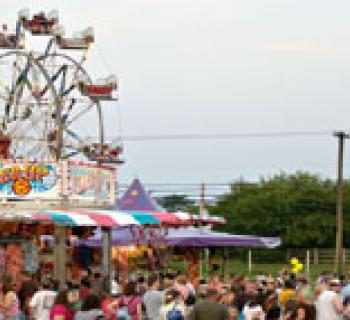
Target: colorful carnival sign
point(89, 181)
point(25, 180)
point(75, 182)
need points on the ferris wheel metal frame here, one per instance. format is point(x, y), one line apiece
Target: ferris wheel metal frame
point(94, 94)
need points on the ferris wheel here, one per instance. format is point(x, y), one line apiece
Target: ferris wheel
point(47, 98)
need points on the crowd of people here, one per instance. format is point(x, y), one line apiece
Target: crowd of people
point(172, 296)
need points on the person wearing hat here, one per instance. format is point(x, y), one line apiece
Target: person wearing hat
point(329, 305)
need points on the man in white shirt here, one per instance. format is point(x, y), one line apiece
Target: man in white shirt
point(329, 305)
point(153, 299)
point(42, 301)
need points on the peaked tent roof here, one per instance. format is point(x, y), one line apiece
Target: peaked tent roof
point(137, 198)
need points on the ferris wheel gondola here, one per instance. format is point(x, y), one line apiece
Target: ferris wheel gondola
point(79, 41)
point(40, 23)
point(11, 40)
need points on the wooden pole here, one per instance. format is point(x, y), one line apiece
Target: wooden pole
point(106, 253)
point(60, 256)
point(200, 263)
point(202, 201)
point(203, 213)
point(340, 197)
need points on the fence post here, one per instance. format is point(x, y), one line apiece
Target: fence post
point(250, 261)
point(316, 258)
point(308, 263)
point(288, 255)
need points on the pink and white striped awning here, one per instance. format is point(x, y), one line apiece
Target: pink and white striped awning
point(108, 218)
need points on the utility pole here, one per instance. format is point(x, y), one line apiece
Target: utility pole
point(202, 201)
point(339, 261)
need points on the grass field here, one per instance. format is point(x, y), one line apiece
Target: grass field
point(240, 268)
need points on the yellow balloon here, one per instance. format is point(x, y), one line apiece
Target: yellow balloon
point(294, 261)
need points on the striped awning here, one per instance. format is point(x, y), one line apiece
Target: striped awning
point(108, 218)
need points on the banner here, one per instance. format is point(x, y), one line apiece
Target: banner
point(29, 180)
point(90, 182)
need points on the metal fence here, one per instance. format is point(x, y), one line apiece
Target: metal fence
point(316, 256)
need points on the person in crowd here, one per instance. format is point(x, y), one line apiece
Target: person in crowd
point(248, 294)
point(27, 288)
point(85, 288)
point(181, 286)
point(131, 301)
point(202, 288)
point(97, 282)
point(253, 310)
point(228, 298)
point(210, 308)
point(271, 306)
point(214, 282)
point(62, 308)
point(153, 298)
point(91, 309)
point(141, 285)
point(329, 305)
point(287, 292)
point(346, 311)
point(10, 305)
point(110, 304)
point(303, 311)
point(173, 307)
point(191, 297)
point(42, 301)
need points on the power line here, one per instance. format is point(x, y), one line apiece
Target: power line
point(215, 136)
point(226, 136)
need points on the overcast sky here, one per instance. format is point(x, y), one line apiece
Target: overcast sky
point(219, 66)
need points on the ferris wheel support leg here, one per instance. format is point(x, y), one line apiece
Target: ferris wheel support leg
point(60, 256)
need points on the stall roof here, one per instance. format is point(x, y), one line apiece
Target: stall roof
point(186, 237)
point(108, 218)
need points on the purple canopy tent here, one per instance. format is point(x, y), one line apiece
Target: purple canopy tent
point(192, 237)
point(136, 198)
point(186, 237)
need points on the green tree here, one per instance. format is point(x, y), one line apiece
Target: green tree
point(300, 208)
point(175, 202)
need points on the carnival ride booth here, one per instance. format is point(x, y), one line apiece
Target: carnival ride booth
point(40, 23)
point(140, 242)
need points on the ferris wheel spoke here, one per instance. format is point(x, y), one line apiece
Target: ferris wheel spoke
point(79, 115)
point(33, 124)
point(16, 91)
